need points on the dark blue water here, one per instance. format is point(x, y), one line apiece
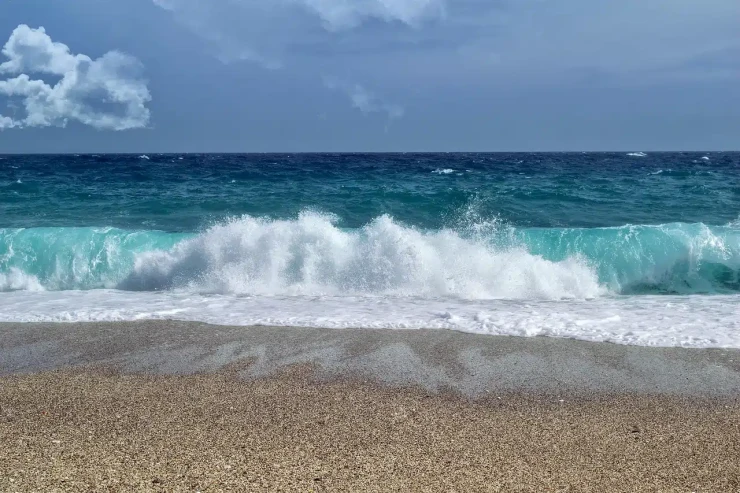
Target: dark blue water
point(189, 192)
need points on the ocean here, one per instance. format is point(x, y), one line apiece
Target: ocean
point(632, 248)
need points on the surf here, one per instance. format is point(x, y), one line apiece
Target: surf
point(310, 255)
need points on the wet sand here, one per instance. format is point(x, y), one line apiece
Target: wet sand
point(172, 406)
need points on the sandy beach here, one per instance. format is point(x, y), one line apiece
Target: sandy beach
point(170, 406)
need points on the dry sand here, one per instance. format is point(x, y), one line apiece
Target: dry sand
point(92, 430)
point(300, 427)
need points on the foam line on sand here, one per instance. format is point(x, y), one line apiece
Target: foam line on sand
point(472, 365)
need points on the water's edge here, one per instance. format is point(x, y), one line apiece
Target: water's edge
point(475, 366)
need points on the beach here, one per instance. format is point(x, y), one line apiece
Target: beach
point(177, 406)
point(369, 245)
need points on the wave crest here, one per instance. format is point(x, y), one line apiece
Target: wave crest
point(312, 256)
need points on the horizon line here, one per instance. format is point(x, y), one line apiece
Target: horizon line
point(132, 153)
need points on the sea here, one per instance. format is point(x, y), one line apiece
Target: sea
point(631, 248)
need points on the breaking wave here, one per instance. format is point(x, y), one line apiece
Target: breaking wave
point(311, 255)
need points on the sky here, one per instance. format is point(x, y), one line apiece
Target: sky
point(369, 75)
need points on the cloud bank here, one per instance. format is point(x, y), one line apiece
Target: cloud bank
point(511, 38)
point(473, 45)
point(106, 93)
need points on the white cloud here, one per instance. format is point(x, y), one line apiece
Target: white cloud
point(364, 100)
point(106, 93)
point(6, 122)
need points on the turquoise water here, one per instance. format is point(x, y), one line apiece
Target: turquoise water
point(673, 258)
point(417, 224)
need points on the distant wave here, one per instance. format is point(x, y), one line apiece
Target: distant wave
point(310, 255)
point(637, 154)
point(443, 171)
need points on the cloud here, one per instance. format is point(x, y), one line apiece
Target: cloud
point(6, 122)
point(511, 38)
point(106, 93)
point(364, 100)
point(346, 14)
point(472, 45)
point(334, 15)
point(270, 31)
point(278, 34)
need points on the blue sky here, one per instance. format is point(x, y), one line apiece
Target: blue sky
point(369, 75)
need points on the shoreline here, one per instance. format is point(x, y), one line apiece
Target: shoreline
point(163, 406)
point(469, 364)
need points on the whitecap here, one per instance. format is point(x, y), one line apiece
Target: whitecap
point(441, 171)
point(144, 156)
point(637, 154)
point(17, 280)
point(312, 256)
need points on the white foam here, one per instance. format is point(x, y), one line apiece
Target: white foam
point(312, 256)
point(705, 158)
point(688, 321)
point(445, 171)
point(17, 280)
point(144, 156)
point(637, 154)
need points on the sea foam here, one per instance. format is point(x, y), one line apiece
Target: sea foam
point(312, 256)
point(685, 321)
